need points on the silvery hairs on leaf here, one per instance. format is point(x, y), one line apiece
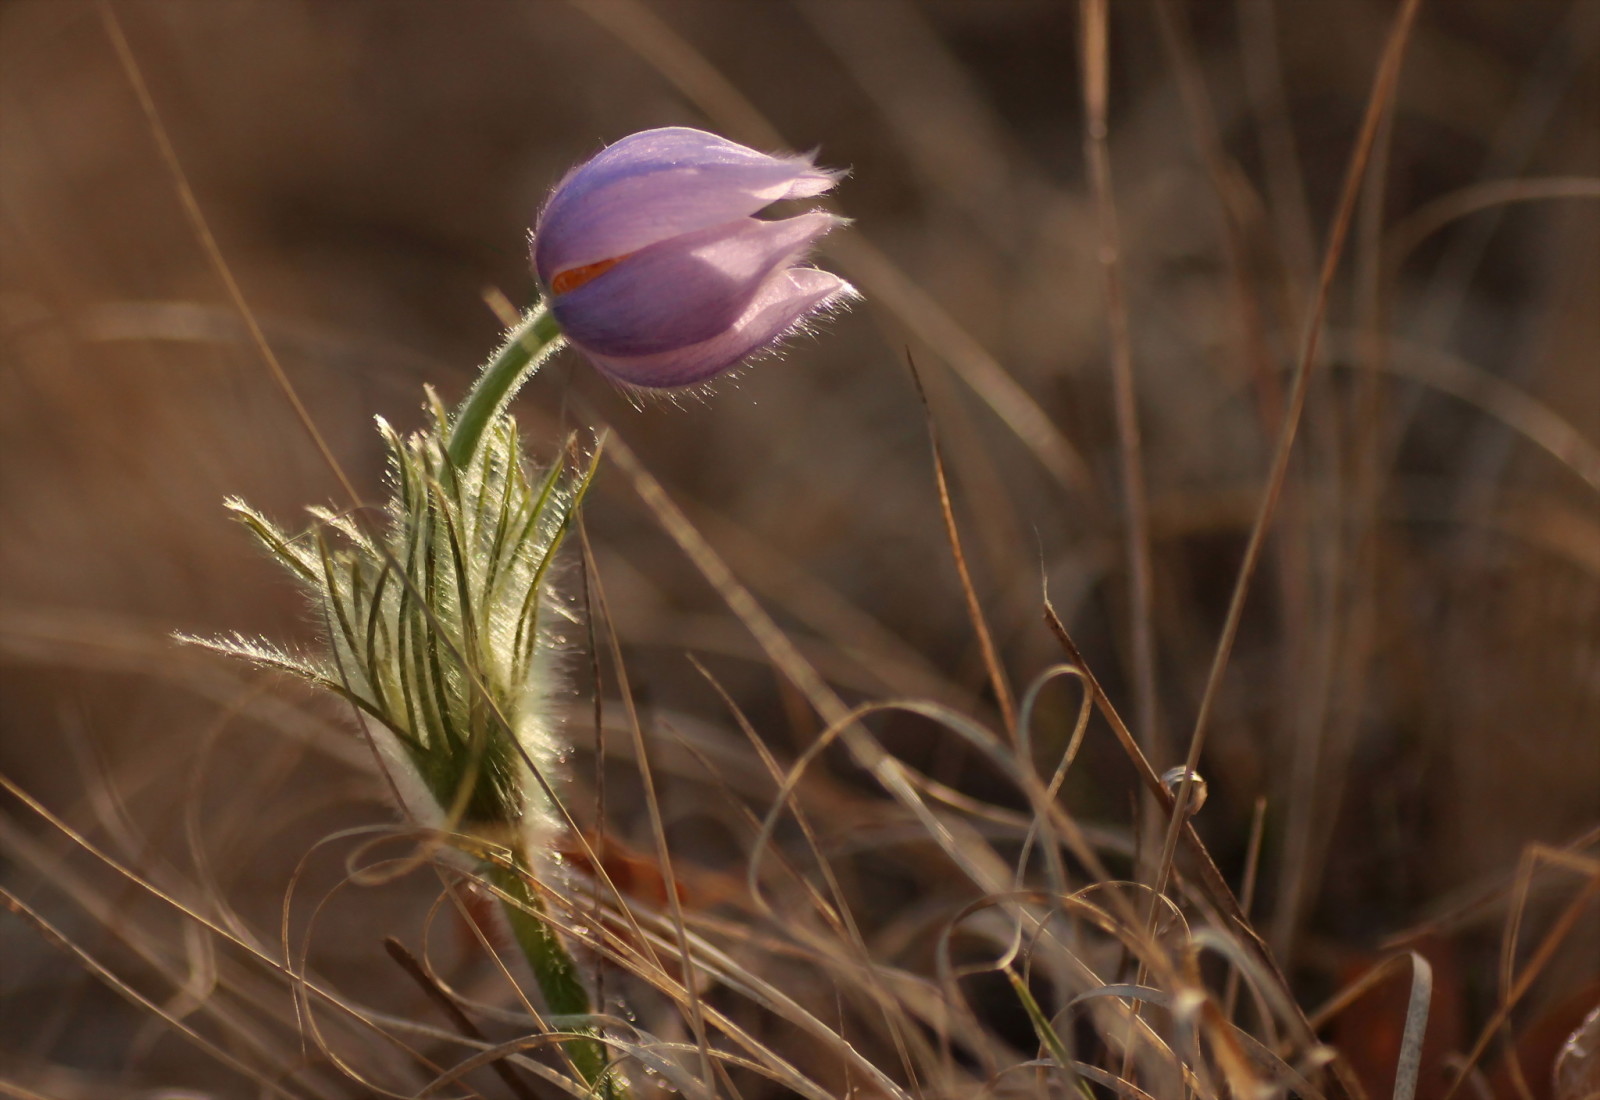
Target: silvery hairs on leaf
point(443, 627)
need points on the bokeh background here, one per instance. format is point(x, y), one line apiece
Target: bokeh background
point(1416, 690)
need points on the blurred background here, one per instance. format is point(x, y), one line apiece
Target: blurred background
point(1415, 694)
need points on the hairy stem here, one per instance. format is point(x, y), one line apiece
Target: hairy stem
point(528, 344)
point(557, 974)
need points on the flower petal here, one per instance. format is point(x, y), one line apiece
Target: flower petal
point(777, 310)
point(683, 290)
point(659, 184)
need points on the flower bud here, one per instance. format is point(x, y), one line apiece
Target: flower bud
point(655, 268)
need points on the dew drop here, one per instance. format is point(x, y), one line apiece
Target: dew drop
point(1172, 778)
point(659, 1081)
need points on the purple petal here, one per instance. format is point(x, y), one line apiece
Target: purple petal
point(777, 309)
point(683, 290)
point(659, 184)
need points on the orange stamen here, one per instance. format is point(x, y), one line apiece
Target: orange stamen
point(574, 277)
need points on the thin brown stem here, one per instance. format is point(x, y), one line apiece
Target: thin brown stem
point(1130, 450)
point(442, 1000)
point(991, 656)
point(1384, 87)
point(208, 243)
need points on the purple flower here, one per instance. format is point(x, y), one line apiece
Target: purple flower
point(656, 270)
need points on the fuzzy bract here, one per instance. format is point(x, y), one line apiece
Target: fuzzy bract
point(656, 269)
point(439, 624)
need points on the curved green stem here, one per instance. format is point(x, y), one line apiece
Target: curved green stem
point(528, 344)
point(558, 978)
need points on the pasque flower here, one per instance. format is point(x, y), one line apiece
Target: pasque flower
point(442, 625)
point(654, 267)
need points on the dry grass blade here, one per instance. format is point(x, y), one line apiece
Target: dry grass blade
point(773, 641)
point(442, 1000)
point(1514, 986)
point(62, 942)
point(213, 251)
point(1130, 448)
point(658, 829)
point(1259, 300)
point(204, 236)
point(1216, 886)
point(1418, 1003)
point(236, 1012)
point(1247, 892)
point(1423, 223)
point(1004, 698)
point(1379, 104)
point(21, 1092)
point(952, 136)
point(931, 324)
point(1534, 420)
point(1409, 1065)
point(299, 980)
point(1263, 70)
point(865, 641)
point(835, 912)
